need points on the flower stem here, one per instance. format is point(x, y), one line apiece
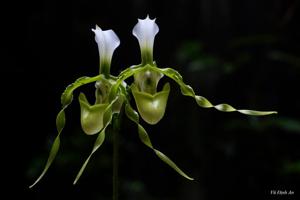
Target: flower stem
point(116, 128)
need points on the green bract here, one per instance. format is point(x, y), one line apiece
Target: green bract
point(113, 95)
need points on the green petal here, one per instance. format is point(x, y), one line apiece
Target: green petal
point(144, 137)
point(151, 107)
point(66, 99)
point(67, 96)
point(91, 116)
point(122, 77)
point(99, 141)
point(202, 101)
point(52, 155)
point(107, 117)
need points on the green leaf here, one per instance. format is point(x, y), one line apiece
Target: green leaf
point(66, 99)
point(202, 101)
point(144, 137)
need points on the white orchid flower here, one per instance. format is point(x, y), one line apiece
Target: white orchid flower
point(107, 42)
point(145, 31)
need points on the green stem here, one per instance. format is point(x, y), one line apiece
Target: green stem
point(116, 129)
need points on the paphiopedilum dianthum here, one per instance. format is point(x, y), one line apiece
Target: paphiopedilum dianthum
point(150, 103)
point(113, 94)
point(92, 115)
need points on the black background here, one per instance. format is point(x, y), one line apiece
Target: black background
point(245, 53)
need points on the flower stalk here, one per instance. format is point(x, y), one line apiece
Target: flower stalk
point(116, 123)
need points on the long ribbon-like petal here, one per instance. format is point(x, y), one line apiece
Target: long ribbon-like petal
point(202, 101)
point(66, 100)
point(107, 117)
point(144, 137)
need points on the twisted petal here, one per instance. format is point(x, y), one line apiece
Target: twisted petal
point(107, 42)
point(202, 101)
point(107, 117)
point(91, 115)
point(66, 100)
point(151, 107)
point(144, 137)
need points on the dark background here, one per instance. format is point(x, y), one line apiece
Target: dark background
point(245, 53)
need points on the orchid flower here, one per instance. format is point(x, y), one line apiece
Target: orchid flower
point(113, 95)
point(92, 115)
point(107, 42)
point(150, 103)
point(94, 118)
